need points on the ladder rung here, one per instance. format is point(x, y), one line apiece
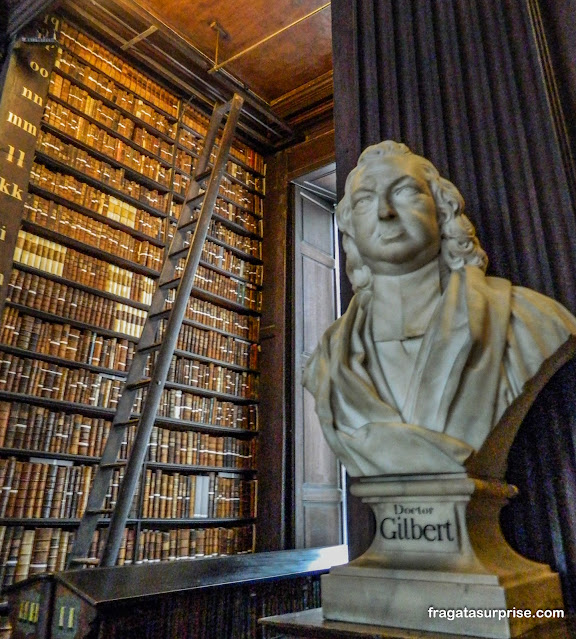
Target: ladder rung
point(139, 384)
point(180, 252)
point(99, 511)
point(200, 177)
point(194, 201)
point(186, 225)
point(116, 464)
point(129, 422)
point(92, 561)
point(163, 314)
point(149, 349)
point(169, 284)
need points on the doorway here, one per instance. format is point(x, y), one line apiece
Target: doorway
point(318, 479)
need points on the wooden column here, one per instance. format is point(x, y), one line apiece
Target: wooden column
point(23, 96)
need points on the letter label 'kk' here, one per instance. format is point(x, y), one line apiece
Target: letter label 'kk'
point(10, 188)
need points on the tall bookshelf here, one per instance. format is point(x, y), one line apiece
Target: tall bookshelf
point(113, 156)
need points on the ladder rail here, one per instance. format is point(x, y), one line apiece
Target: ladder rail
point(164, 352)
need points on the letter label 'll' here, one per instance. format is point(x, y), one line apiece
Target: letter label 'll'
point(21, 156)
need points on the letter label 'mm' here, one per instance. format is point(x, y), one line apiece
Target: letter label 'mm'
point(16, 120)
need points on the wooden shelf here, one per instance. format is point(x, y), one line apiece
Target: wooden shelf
point(82, 287)
point(130, 172)
point(55, 163)
point(137, 147)
point(67, 363)
point(58, 319)
point(88, 249)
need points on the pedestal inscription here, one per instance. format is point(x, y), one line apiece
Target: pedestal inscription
point(438, 546)
point(418, 526)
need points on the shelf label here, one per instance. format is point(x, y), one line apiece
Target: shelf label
point(21, 107)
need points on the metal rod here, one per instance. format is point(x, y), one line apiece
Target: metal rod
point(140, 36)
point(216, 67)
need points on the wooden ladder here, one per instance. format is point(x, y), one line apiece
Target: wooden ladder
point(151, 354)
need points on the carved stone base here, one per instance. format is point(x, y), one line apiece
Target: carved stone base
point(439, 553)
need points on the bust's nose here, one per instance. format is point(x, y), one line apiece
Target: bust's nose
point(385, 209)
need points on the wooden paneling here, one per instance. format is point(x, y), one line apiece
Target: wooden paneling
point(289, 60)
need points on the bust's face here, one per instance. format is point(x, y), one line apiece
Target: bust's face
point(394, 215)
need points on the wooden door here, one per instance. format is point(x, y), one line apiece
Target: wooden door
point(317, 473)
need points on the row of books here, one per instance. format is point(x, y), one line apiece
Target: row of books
point(190, 141)
point(250, 179)
point(229, 211)
point(244, 293)
point(211, 315)
point(195, 119)
point(86, 132)
point(213, 377)
point(89, 347)
point(25, 426)
point(219, 231)
point(187, 163)
point(70, 303)
point(216, 345)
point(119, 70)
point(169, 495)
point(51, 257)
point(249, 245)
point(29, 376)
point(223, 258)
point(242, 196)
point(25, 552)
point(192, 448)
point(109, 118)
point(189, 407)
point(194, 543)
point(32, 490)
point(231, 191)
point(249, 156)
point(63, 341)
point(108, 206)
point(40, 253)
point(89, 231)
point(79, 159)
point(180, 183)
point(184, 161)
point(103, 85)
point(242, 174)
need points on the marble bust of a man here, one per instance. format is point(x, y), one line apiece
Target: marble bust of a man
point(432, 359)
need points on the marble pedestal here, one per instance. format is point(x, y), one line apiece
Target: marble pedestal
point(439, 553)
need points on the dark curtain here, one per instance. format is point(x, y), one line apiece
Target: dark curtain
point(482, 89)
